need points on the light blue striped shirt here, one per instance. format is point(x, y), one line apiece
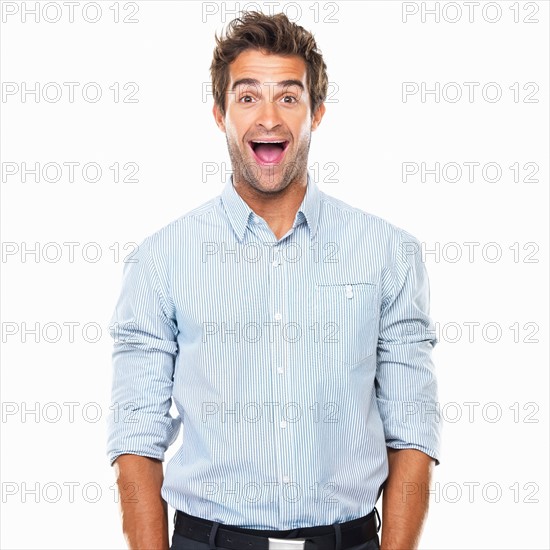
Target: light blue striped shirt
point(293, 363)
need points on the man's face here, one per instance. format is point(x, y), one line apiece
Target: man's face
point(268, 101)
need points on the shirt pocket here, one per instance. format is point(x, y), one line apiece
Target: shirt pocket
point(345, 317)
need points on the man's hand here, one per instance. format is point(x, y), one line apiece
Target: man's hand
point(405, 498)
point(144, 512)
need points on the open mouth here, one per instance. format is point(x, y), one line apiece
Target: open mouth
point(268, 152)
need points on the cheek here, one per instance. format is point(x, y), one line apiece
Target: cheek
point(300, 126)
point(304, 133)
point(232, 136)
point(236, 133)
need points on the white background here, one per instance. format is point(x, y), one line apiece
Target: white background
point(368, 132)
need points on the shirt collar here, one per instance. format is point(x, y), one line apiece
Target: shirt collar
point(239, 212)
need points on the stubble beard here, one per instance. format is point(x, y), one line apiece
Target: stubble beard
point(264, 179)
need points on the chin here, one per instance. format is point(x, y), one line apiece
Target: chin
point(269, 187)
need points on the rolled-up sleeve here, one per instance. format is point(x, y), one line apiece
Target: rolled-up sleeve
point(144, 330)
point(406, 385)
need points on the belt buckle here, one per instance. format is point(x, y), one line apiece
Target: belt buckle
point(286, 544)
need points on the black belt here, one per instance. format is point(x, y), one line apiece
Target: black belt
point(354, 532)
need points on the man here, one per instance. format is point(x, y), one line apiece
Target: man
point(290, 330)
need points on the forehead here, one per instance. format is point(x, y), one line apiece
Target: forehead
point(266, 67)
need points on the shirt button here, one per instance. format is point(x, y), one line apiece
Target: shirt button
point(280, 370)
point(275, 263)
point(278, 316)
point(286, 479)
point(283, 424)
point(255, 219)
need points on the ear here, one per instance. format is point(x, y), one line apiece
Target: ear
point(218, 117)
point(316, 120)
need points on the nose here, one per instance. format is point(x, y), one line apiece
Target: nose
point(268, 115)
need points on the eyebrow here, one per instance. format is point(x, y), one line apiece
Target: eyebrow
point(254, 82)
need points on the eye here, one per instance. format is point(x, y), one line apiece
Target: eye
point(244, 97)
point(294, 100)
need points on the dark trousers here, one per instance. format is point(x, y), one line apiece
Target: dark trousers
point(183, 543)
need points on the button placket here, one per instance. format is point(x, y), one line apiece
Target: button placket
point(276, 344)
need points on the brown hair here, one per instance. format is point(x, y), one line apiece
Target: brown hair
point(275, 34)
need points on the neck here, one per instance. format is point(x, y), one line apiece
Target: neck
point(277, 209)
